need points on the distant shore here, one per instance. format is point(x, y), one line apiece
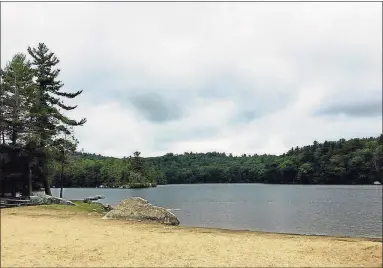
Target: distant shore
point(145, 185)
point(64, 237)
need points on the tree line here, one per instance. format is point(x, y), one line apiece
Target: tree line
point(91, 170)
point(355, 161)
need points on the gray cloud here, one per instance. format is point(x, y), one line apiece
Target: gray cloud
point(156, 108)
point(254, 96)
point(355, 109)
point(245, 116)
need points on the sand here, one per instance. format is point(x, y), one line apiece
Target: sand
point(37, 237)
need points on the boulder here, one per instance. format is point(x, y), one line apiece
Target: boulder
point(43, 199)
point(90, 199)
point(93, 198)
point(108, 207)
point(137, 208)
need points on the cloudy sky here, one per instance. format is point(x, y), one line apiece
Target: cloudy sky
point(228, 77)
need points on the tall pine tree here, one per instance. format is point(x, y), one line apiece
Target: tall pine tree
point(17, 89)
point(48, 116)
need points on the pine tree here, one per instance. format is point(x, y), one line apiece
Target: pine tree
point(2, 108)
point(17, 87)
point(49, 120)
point(137, 162)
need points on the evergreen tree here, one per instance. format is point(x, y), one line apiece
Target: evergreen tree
point(137, 162)
point(49, 119)
point(17, 87)
point(2, 109)
point(16, 95)
point(33, 125)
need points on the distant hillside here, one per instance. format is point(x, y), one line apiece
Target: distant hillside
point(355, 161)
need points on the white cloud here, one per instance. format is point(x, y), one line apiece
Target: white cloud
point(277, 63)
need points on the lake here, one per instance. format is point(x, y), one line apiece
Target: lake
point(300, 209)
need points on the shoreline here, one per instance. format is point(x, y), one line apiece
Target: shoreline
point(364, 238)
point(234, 231)
point(370, 238)
point(224, 183)
point(244, 231)
point(71, 238)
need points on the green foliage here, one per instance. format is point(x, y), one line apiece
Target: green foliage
point(90, 170)
point(50, 119)
point(356, 161)
point(17, 93)
point(33, 127)
point(306, 174)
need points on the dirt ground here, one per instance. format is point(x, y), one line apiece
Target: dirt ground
point(35, 237)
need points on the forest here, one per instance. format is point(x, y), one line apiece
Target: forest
point(355, 161)
point(38, 148)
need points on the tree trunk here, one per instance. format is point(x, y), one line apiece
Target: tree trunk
point(24, 188)
point(29, 179)
point(61, 190)
point(3, 187)
point(13, 188)
point(14, 138)
point(61, 180)
point(61, 176)
point(46, 185)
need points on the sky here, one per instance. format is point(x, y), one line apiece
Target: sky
point(249, 78)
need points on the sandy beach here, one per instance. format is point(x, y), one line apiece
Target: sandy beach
point(42, 237)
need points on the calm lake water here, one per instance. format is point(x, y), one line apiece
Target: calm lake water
point(301, 209)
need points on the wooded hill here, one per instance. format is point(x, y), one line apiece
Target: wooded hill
point(355, 161)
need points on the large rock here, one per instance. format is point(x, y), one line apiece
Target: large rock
point(93, 198)
point(137, 208)
point(42, 199)
point(107, 207)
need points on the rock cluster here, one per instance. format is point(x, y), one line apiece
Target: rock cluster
point(106, 207)
point(137, 208)
point(42, 199)
point(93, 198)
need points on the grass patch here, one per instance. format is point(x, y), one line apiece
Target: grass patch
point(80, 207)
